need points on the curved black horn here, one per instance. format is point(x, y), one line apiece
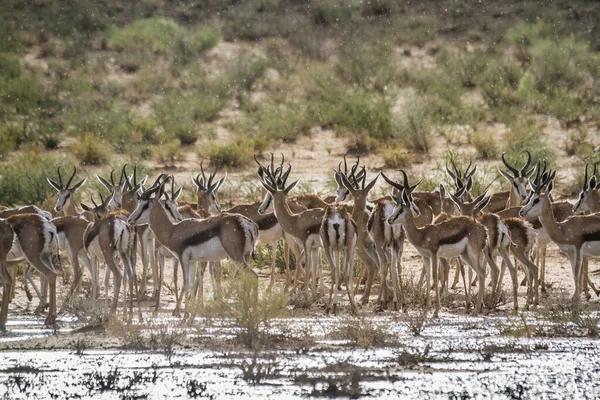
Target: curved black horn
point(112, 177)
point(510, 167)
point(391, 182)
point(60, 179)
point(71, 178)
point(585, 179)
point(526, 166)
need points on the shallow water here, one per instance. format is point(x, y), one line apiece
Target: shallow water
point(455, 357)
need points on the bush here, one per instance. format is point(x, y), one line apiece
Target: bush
point(168, 152)
point(334, 13)
point(193, 43)
point(527, 135)
point(366, 61)
point(361, 144)
point(155, 33)
point(499, 83)
point(395, 157)
point(464, 66)
point(91, 150)
point(357, 110)
point(485, 145)
point(23, 180)
point(276, 121)
point(233, 155)
point(414, 125)
point(9, 136)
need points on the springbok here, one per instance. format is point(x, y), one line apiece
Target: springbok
point(303, 227)
point(518, 186)
point(6, 241)
point(338, 234)
point(66, 194)
point(365, 247)
point(460, 236)
point(212, 239)
point(578, 236)
point(35, 241)
point(109, 239)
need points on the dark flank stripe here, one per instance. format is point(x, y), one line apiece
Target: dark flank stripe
point(535, 223)
point(266, 223)
point(371, 221)
point(314, 228)
point(457, 237)
point(591, 237)
point(201, 237)
point(93, 232)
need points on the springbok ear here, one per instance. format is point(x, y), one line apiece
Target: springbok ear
point(77, 186)
point(220, 182)
point(396, 199)
point(104, 182)
point(110, 198)
point(177, 194)
point(592, 182)
point(372, 183)
point(482, 204)
point(267, 187)
point(442, 191)
point(86, 207)
point(338, 180)
point(550, 187)
point(456, 200)
point(469, 185)
point(506, 175)
point(54, 184)
point(291, 186)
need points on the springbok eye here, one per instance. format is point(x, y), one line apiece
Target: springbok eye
point(535, 201)
point(515, 184)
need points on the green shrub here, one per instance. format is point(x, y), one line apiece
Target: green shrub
point(246, 70)
point(168, 152)
point(190, 45)
point(91, 150)
point(9, 136)
point(527, 135)
point(414, 126)
point(356, 110)
point(499, 83)
point(395, 156)
point(23, 180)
point(361, 143)
point(283, 122)
point(155, 34)
point(366, 61)
point(334, 13)
point(233, 155)
point(465, 66)
point(485, 145)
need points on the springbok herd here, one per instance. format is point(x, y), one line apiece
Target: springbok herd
point(441, 225)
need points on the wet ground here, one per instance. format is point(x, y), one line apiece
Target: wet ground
point(384, 356)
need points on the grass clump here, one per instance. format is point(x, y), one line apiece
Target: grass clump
point(233, 155)
point(361, 144)
point(485, 145)
point(355, 110)
point(395, 156)
point(155, 33)
point(91, 150)
point(363, 333)
point(168, 152)
point(23, 180)
point(528, 135)
point(414, 126)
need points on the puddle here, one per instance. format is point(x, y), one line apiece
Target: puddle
point(456, 357)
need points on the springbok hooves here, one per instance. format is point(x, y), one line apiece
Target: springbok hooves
point(50, 320)
point(40, 308)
